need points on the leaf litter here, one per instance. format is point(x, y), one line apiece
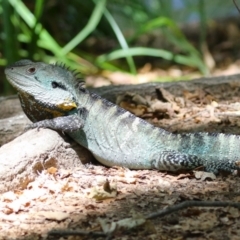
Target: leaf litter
point(100, 199)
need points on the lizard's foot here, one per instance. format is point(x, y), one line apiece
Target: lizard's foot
point(32, 126)
point(65, 124)
point(215, 166)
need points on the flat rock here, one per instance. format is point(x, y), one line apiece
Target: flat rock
point(22, 159)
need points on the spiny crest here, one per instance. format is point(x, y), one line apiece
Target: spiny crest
point(75, 73)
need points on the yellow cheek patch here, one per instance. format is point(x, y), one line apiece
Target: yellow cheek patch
point(67, 105)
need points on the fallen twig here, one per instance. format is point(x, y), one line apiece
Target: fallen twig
point(77, 233)
point(188, 204)
point(160, 213)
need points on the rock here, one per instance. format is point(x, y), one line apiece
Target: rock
point(12, 119)
point(22, 159)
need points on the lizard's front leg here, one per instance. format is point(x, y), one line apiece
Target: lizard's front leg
point(69, 123)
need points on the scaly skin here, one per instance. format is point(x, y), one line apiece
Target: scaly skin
point(52, 97)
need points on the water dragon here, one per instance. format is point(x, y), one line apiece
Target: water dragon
point(52, 96)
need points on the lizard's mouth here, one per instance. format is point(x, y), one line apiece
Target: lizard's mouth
point(15, 83)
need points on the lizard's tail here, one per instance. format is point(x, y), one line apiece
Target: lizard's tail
point(218, 151)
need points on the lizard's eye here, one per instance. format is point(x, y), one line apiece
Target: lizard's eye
point(31, 70)
point(58, 85)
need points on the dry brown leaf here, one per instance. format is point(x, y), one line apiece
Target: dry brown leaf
point(128, 180)
point(205, 221)
point(123, 224)
point(183, 176)
point(165, 186)
point(104, 191)
point(166, 95)
point(64, 173)
point(67, 188)
point(234, 212)
point(138, 110)
point(52, 170)
point(8, 196)
point(14, 206)
point(53, 215)
point(204, 175)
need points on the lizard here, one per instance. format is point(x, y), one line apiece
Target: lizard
point(52, 96)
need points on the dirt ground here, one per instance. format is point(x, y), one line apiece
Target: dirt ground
point(97, 199)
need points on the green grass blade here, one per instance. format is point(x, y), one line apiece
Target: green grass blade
point(35, 33)
point(91, 25)
point(46, 41)
point(174, 35)
point(122, 41)
point(137, 51)
point(142, 51)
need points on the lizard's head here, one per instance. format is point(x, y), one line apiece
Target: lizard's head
point(47, 88)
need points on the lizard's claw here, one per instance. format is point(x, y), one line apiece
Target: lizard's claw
point(31, 126)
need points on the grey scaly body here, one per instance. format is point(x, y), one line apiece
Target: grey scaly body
point(52, 97)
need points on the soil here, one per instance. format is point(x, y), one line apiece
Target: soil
point(97, 199)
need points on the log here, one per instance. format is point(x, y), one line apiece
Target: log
point(22, 159)
point(13, 120)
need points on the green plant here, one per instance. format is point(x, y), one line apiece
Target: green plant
point(25, 36)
